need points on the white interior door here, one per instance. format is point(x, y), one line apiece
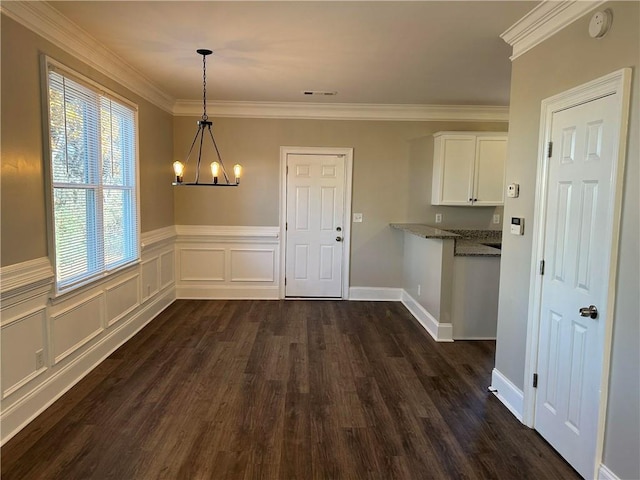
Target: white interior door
point(577, 246)
point(315, 219)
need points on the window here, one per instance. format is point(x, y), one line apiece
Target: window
point(92, 142)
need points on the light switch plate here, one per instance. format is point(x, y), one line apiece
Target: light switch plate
point(357, 218)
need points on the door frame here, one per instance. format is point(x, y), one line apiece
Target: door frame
point(618, 84)
point(347, 153)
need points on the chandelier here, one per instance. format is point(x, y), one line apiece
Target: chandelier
point(204, 124)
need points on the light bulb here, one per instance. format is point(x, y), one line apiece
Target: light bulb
point(215, 170)
point(178, 168)
point(237, 171)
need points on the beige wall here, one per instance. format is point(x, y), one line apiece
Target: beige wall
point(22, 186)
point(391, 181)
point(568, 59)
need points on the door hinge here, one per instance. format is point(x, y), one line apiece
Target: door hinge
point(549, 149)
point(285, 281)
point(287, 170)
point(535, 380)
point(541, 267)
point(286, 225)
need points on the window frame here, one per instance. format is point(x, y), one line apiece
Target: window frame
point(104, 272)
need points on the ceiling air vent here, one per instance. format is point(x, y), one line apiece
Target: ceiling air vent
point(322, 93)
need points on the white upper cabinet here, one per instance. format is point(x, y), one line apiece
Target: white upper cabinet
point(468, 168)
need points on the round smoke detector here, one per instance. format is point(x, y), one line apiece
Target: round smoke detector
point(600, 24)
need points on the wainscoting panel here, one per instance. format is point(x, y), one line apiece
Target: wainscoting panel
point(76, 325)
point(150, 280)
point(122, 298)
point(167, 268)
point(23, 343)
point(253, 265)
point(227, 262)
point(50, 345)
point(201, 264)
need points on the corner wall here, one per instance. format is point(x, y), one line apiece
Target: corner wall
point(568, 59)
point(22, 184)
point(391, 181)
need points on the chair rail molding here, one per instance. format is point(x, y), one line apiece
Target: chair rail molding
point(20, 277)
point(154, 238)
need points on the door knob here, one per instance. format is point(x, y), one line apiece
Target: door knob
point(339, 229)
point(590, 311)
point(338, 239)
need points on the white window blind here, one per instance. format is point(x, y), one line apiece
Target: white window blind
point(93, 180)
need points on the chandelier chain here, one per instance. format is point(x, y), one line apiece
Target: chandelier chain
point(204, 88)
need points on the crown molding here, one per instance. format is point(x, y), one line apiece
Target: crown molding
point(46, 21)
point(544, 21)
point(344, 111)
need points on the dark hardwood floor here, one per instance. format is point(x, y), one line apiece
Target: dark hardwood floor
point(284, 390)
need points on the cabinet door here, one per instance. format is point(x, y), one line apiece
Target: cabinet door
point(456, 182)
point(491, 154)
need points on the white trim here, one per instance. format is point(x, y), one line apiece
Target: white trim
point(617, 83)
point(51, 25)
point(344, 111)
point(197, 233)
point(441, 332)
point(112, 321)
point(375, 294)
point(604, 473)
point(473, 338)
point(510, 395)
point(53, 317)
point(346, 228)
point(227, 292)
point(544, 21)
point(25, 275)
point(18, 415)
point(157, 237)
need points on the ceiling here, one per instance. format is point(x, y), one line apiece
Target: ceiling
point(370, 52)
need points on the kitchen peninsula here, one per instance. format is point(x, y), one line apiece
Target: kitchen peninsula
point(451, 279)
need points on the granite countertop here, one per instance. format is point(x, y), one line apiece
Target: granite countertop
point(468, 243)
point(425, 231)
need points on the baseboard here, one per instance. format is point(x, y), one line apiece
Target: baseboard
point(226, 292)
point(473, 338)
point(441, 332)
point(510, 395)
point(376, 294)
point(605, 474)
point(18, 415)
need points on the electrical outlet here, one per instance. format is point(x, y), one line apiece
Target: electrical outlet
point(39, 359)
point(357, 218)
point(438, 218)
point(496, 218)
